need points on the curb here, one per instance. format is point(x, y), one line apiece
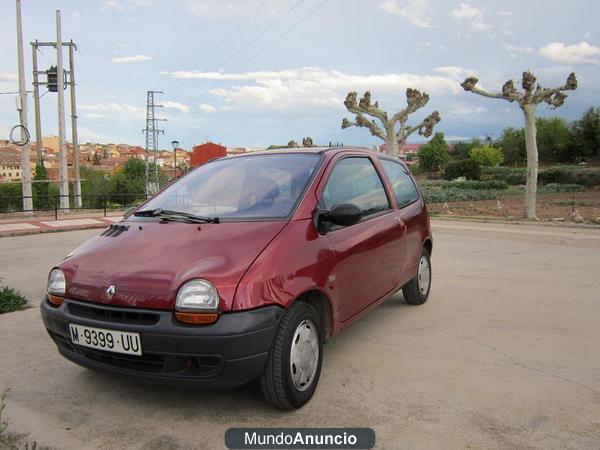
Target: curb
point(52, 230)
point(585, 226)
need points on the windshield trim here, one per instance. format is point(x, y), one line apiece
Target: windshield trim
point(293, 210)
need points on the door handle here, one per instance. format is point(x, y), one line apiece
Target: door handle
point(400, 221)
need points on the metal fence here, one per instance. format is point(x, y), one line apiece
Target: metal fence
point(47, 203)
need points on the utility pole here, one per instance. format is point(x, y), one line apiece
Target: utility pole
point(36, 106)
point(52, 84)
point(77, 182)
point(152, 133)
point(25, 163)
point(60, 81)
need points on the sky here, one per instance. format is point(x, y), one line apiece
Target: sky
point(261, 72)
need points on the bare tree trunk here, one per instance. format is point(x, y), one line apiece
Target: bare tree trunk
point(532, 160)
point(392, 144)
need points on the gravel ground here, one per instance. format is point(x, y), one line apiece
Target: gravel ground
point(504, 355)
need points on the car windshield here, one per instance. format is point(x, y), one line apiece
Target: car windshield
point(247, 187)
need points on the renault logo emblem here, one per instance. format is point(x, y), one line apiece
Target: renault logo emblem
point(110, 292)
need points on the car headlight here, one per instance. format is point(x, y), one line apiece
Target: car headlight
point(197, 295)
point(57, 284)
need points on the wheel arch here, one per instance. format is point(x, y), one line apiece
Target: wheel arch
point(428, 245)
point(322, 304)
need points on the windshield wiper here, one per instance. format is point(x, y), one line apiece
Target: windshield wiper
point(175, 215)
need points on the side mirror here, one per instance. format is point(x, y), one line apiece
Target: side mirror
point(343, 214)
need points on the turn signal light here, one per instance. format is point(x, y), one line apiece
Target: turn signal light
point(55, 300)
point(196, 318)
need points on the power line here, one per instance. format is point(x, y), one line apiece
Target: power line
point(100, 77)
point(238, 26)
point(281, 35)
point(271, 26)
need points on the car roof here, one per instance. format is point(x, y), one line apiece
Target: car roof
point(333, 150)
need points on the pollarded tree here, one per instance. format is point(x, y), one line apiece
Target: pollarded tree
point(533, 94)
point(393, 131)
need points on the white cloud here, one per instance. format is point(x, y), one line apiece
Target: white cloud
point(8, 76)
point(122, 109)
point(113, 5)
point(506, 13)
point(465, 11)
point(455, 72)
point(472, 15)
point(312, 87)
point(128, 5)
point(417, 12)
point(518, 48)
point(571, 54)
point(466, 110)
point(211, 7)
point(175, 105)
point(205, 107)
point(480, 26)
point(130, 59)
point(95, 116)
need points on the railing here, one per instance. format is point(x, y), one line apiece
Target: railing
point(103, 202)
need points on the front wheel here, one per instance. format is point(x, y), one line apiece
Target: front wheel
point(294, 363)
point(416, 291)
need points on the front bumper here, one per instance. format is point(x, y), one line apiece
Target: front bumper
point(228, 353)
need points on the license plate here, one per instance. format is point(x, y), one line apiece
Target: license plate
point(108, 340)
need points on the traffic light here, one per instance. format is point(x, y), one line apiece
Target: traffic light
point(52, 74)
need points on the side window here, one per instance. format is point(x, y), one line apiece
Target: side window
point(355, 180)
point(402, 184)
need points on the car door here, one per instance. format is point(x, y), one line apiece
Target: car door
point(364, 252)
point(409, 211)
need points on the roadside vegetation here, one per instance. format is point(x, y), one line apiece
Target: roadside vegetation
point(11, 300)
point(122, 187)
point(495, 170)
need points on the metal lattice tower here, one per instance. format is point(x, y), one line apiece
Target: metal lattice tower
point(152, 133)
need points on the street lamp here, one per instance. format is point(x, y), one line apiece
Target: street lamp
point(175, 144)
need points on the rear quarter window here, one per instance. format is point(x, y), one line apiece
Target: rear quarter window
point(403, 186)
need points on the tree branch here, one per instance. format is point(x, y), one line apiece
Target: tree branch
point(425, 128)
point(415, 100)
point(508, 90)
point(362, 121)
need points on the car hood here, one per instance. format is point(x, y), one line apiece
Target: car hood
point(149, 261)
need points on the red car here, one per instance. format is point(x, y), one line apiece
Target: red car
point(242, 269)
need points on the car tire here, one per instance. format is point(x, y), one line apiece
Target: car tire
point(292, 359)
point(416, 291)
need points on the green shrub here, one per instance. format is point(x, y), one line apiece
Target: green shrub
point(11, 300)
point(469, 184)
point(588, 177)
point(552, 188)
point(555, 175)
point(486, 155)
point(463, 168)
point(513, 176)
point(447, 191)
point(434, 154)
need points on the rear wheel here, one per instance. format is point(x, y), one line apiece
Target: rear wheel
point(416, 291)
point(294, 364)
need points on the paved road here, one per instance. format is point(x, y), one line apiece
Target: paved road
point(506, 354)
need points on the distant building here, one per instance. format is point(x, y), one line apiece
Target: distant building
point(50, 142)
point(203, 153)
point(10, 164)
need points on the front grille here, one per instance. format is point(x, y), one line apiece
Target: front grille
point(113, 315)
point(189, 366)
point(143, 363)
